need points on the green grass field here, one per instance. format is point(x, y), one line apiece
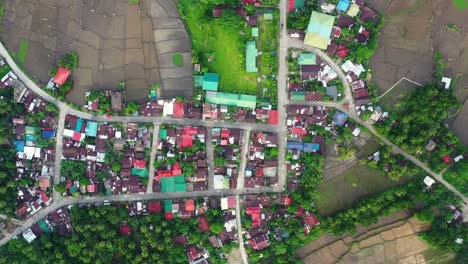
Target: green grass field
point(211, 41)
point(394, 99)
point(461, 4)
point(22, 50)
point(358, 182)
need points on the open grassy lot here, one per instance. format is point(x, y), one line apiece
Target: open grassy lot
point(217, 47)
point(356, 183)
point(393, 99)
point(461, 4)
point(22, 50)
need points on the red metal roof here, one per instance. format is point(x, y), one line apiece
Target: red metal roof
point(61, 76)
point(76, 136)
point(187, 141)
point(291, 5)
point(178, 109)
point(273, 117)
point(169, 216)
point(342, 51)
point(203, 224)
point(154, 207)
point(190, 205)
point(446, 159)
point(139, 164)
point(231, 202)
point(299, 131)
point(224, 133)
point(361, 93)
point(312, 220)
point(125, 230)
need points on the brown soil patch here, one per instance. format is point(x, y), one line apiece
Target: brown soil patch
point(371, 241)
point(115, 40)
point(338, 249)
point(403, 230)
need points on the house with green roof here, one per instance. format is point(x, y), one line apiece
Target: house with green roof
point(307, 59)
point(173, 184)
point(299, 4)
point(210, 81)
point(168, 206)
point(91, 128)
point(297, 96)
point(255, 32)
point(142, 173)
point(268, 14)
point(319, 30)
point(251, 57)
point(238, 100)
point(162, 133)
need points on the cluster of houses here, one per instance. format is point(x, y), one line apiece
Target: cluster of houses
point(226, 152)
point(262, 160)
point(89, 142)
point(360, 92)
point(56, 221)
point(323, 33)
point(312, 68)
point(113, 101)
point(301, 138)
point(171, 108)
point(181, 162)
point(34, 161)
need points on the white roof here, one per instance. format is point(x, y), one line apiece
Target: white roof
point(357, 131)
point(224, 203)
point(118, 134)
point(28, 235)
point(459, 240)
point(168, 108)
point(219, 182)
point(29, 151)
point(447, 82)
point(458, 158)
point(428, 181)
point(68, 133)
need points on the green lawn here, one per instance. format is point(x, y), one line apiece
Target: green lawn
point(210, 40)
point(23, 50)
point(461, 4)
point(177, 59)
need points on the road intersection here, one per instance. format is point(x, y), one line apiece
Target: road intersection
point(285, 44)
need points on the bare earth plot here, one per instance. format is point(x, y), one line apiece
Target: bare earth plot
point(414, 31)
point(115, 41)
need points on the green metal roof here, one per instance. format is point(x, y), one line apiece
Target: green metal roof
point(307, 59)
point(268, 14)
point(173, 184)
point(239, 100)
point(298, 4)
point(162, 133)
point(298, 96)
point(143, 173)
point(210, 81)
point(255, 32)
point(91, 129)
point(44, 226)
point(251, 57)
point(168, 206)
point(319, 30)
point(198, 80)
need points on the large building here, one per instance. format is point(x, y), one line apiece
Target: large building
point(251, 57)
point(319, 30)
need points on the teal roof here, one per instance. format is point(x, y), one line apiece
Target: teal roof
point(268, 14)
point(162, 133)
point(44, 227)
point(173, 184)
point(168, 206)
point(298, 4)
point(298, 96)
point(79, 123)
point(239, 100)
point(307, 59)
point(143, 173)
point(198, 80)
point(210, 81)
point(251, 57)
point(255, 32)
point(91, 128)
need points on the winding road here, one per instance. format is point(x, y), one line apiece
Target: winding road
point(283, 101)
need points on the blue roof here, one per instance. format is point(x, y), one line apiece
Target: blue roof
point(48, 134)
point(79, 123)
point(343, 5)
point(294, 145)
point(340, 118)
point(311, 147)
point(19, 145)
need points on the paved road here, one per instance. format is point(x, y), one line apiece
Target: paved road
point(210, 157)
point(243, 156)
point(240, 237)
point(154, 144)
